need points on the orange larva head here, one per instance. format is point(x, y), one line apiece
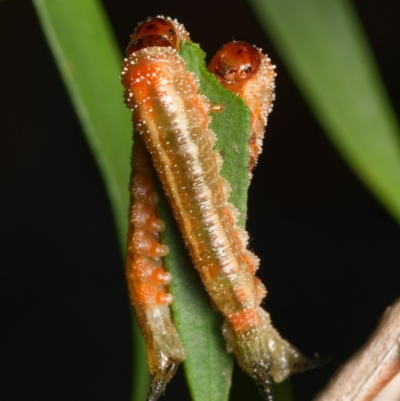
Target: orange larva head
point(157, 26)
point(235, 64)
point(153, 32)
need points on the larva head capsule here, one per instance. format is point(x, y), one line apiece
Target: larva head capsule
point(159, 32)
point(235, 64)
point(159, 27)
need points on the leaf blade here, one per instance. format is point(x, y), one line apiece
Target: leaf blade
point(325, 50)
point(89, 61)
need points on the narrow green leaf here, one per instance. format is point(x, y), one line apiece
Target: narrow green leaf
point(90, 63)
point(208, 366)
point(325, 49)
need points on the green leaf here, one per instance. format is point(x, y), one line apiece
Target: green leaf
point(90, 63)
point(325, 50)
point(208, 366)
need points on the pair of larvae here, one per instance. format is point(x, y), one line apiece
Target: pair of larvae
point(171, 123)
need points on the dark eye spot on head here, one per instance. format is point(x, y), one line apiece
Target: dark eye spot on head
point(171, 32)
point(248, 69)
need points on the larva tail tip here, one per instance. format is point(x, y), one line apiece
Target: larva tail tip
point(157, 387)
point(160, 380)
point(266, 393)
point(263, 381)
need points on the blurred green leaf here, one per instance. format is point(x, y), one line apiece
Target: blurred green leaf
point(90, 63)
point(325, 49)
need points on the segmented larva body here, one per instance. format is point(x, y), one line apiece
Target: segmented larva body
point(172, 118)
point(147, 279)
point(246, 71)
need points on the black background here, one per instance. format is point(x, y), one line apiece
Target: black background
point(330, 253)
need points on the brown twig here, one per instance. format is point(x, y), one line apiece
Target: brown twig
point(371, 368)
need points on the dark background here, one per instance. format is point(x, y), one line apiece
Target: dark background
point(330, 253)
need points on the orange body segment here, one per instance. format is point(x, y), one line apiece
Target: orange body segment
point(244, 320)
point(146, 275)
